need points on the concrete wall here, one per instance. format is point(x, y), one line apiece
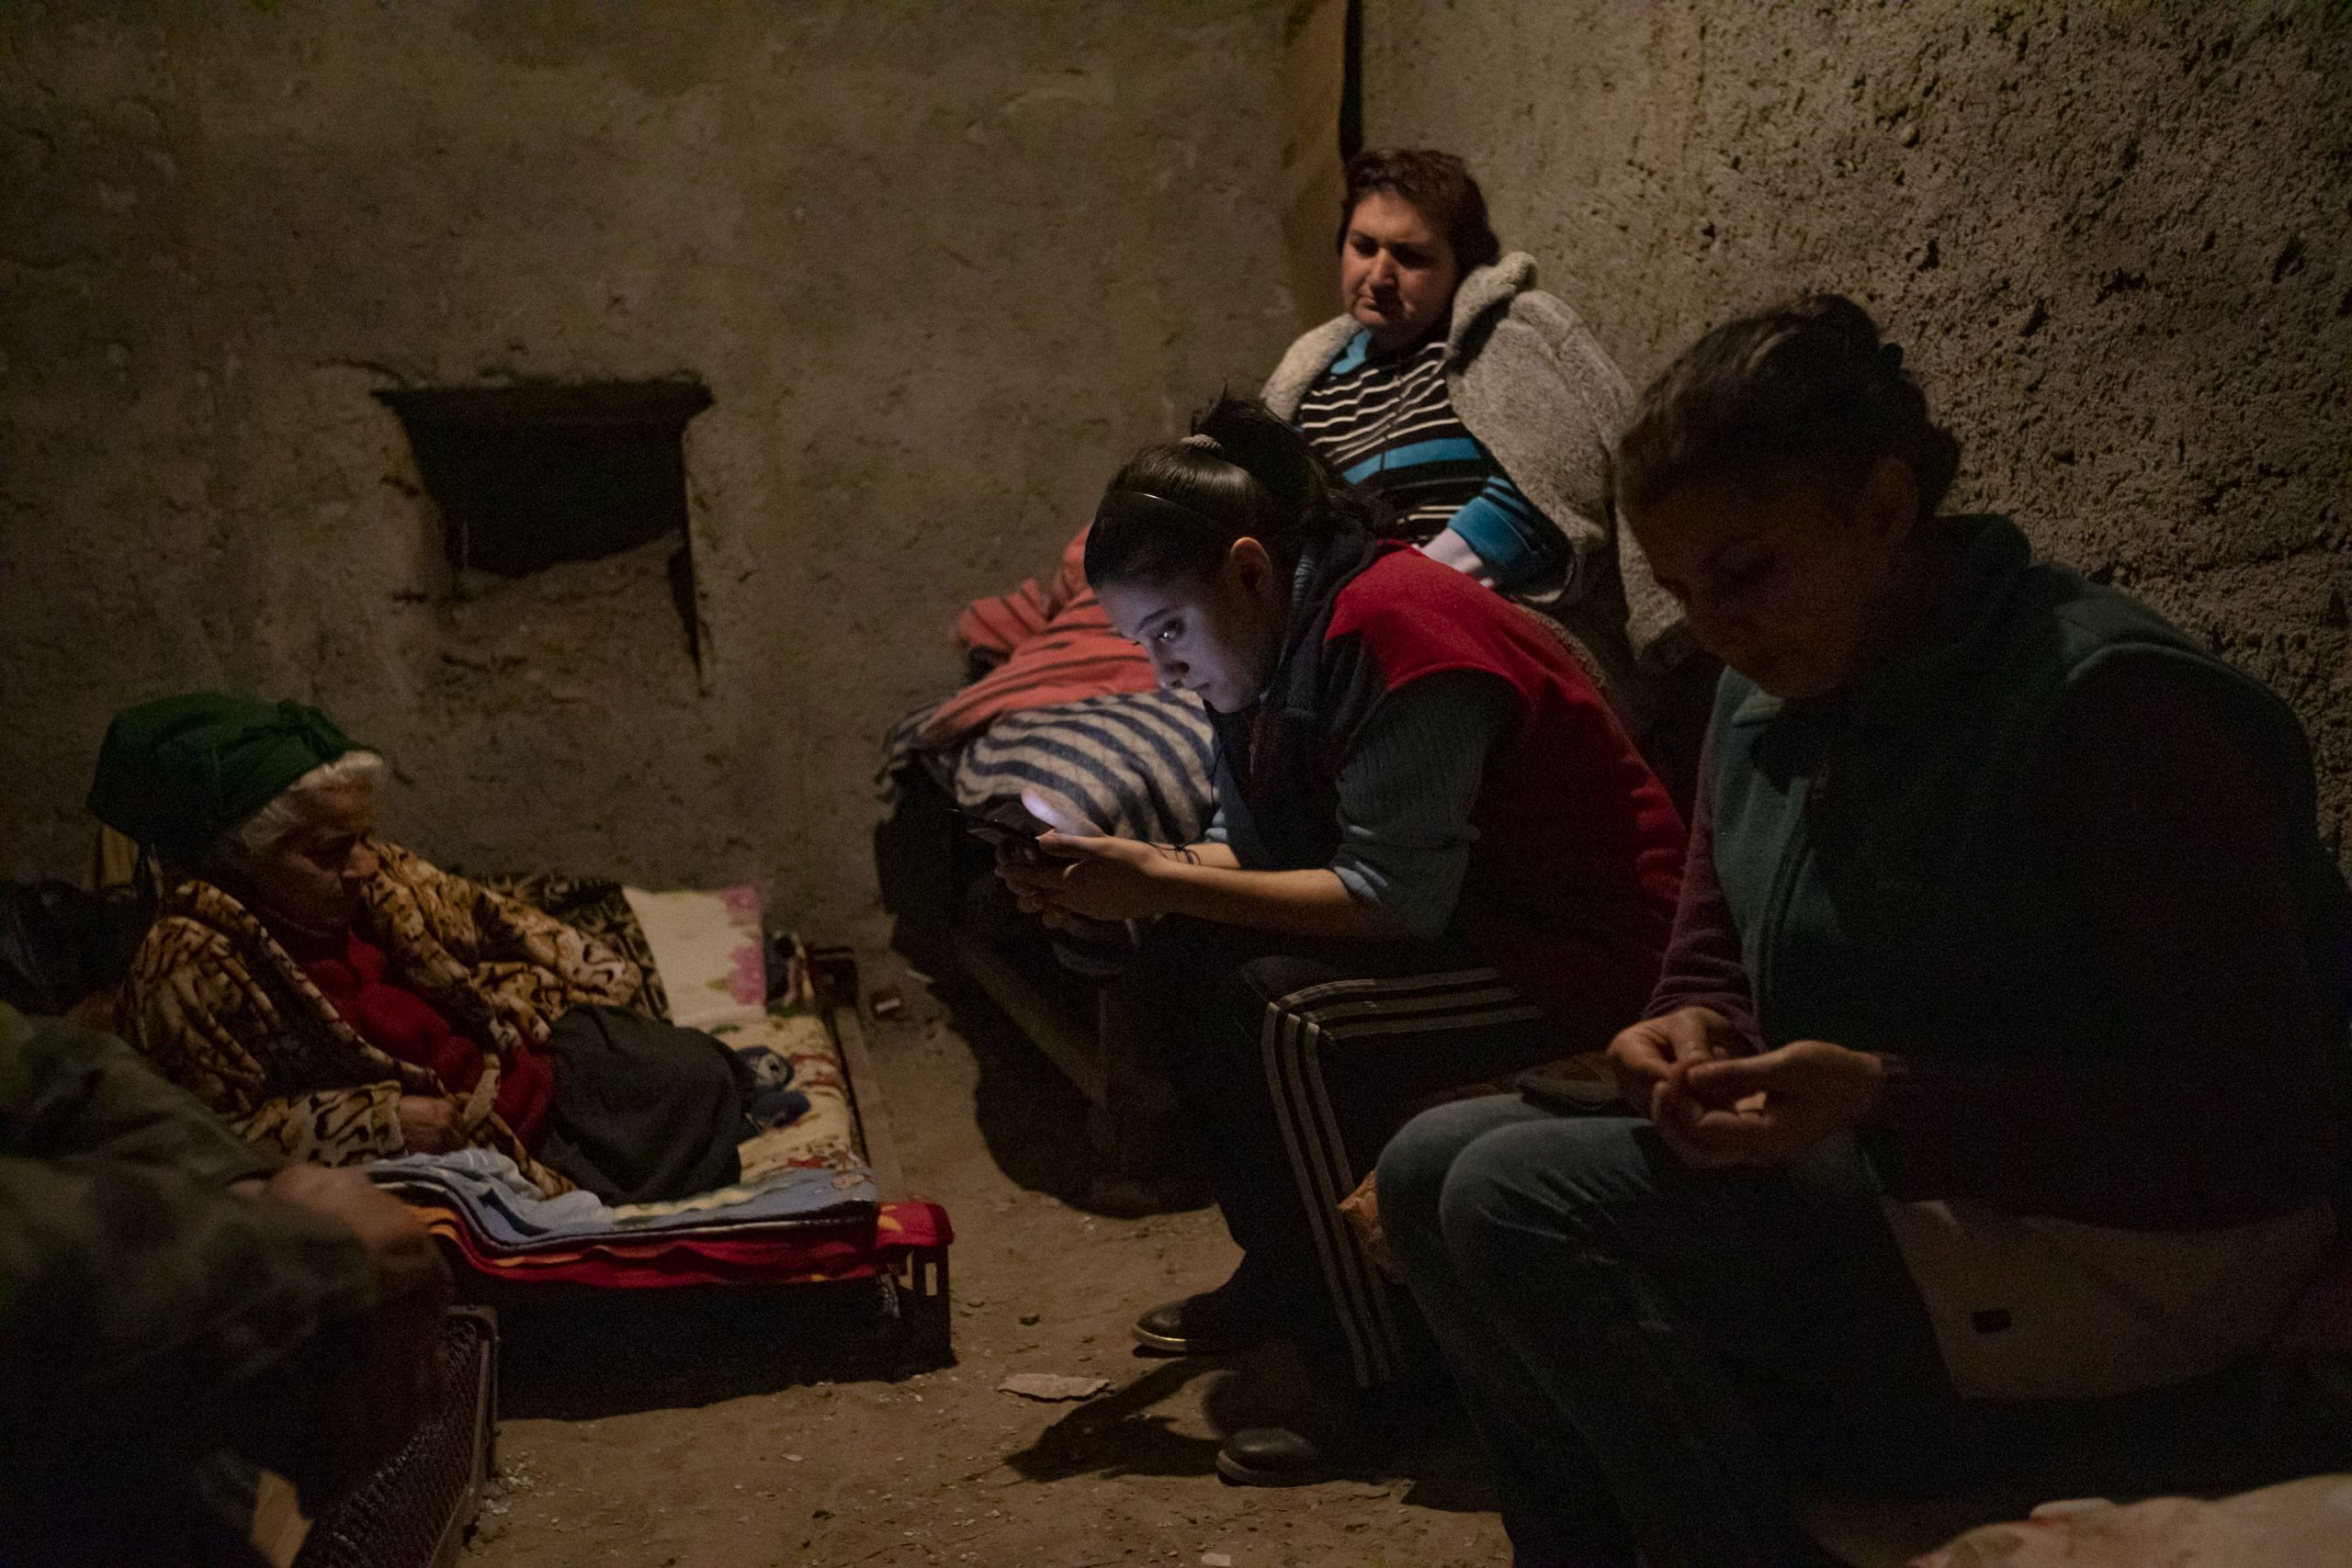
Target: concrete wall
point(942, 266)
point(2114, 239)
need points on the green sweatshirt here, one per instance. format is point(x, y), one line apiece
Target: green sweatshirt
point(147, 1312)
point(1883, 858)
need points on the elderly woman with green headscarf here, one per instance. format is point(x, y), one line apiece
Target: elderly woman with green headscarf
point(339, 999)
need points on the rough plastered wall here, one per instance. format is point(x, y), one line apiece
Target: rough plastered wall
point(941, 265)
point(2114, 239)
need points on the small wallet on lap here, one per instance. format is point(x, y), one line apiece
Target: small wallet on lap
point(1579, 1086)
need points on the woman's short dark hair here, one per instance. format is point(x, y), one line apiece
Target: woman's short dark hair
point(1440, 188)
point(1804, 392)
point(1176, 508)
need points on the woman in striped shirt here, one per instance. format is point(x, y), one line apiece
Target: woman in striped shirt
point(1480, 409)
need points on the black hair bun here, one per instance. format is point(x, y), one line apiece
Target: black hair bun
point(1846, 322)
point(1252, 438)
point(1806, 390)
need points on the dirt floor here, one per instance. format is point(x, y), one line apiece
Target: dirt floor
point(730, 1430)
point(742, 1451)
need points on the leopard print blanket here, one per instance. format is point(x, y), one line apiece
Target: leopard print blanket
point(223, 1009)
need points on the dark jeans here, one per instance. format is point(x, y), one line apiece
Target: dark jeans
point(1292, 1062)
point(1626, 1327)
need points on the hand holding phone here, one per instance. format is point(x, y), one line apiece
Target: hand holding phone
point(1010, 842)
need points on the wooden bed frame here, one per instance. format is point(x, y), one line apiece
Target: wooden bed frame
point(936, 883)
point(917, 1290)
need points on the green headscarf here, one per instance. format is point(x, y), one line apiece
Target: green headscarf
point(177, 772)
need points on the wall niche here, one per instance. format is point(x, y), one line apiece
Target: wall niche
point(539, 475)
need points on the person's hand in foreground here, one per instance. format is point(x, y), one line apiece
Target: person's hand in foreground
point(429, 1125)
point(1080, 871)
point(1094, 875)
point(1765, 1110)
point(371, 1403)
point(1643, 1057)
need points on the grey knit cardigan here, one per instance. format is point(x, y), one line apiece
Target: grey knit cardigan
point(1536, 390)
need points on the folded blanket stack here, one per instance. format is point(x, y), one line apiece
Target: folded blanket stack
point(1070, 712)
point(1071, 715)
point(1135, 764)
point(1057, 646)
point(792, 1226)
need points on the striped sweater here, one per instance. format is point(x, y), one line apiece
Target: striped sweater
point(1388, 423)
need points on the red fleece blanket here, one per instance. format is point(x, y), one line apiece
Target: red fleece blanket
point(791, 1255)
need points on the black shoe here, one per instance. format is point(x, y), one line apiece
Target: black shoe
point(1275, 1456)
point(1234, 1316)
point(1337, 1432)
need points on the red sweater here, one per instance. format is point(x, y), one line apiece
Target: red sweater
point(399, 1022)
point(1570, 885)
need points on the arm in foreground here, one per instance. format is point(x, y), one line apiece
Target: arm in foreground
point(1406, 793)
point(2221, 1114)
point(162, 1294)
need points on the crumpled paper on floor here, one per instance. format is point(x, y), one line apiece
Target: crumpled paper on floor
point(1052, 1386)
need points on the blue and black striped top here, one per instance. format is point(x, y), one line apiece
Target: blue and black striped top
point(1388, 424)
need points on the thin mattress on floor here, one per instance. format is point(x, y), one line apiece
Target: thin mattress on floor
point(806, 1207)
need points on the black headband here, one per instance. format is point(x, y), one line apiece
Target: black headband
point(1142, 506)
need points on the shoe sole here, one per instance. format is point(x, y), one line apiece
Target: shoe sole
point(1171, 1345)
point(1240, 1474)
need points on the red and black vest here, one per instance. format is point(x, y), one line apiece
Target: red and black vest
point(1572, 881)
